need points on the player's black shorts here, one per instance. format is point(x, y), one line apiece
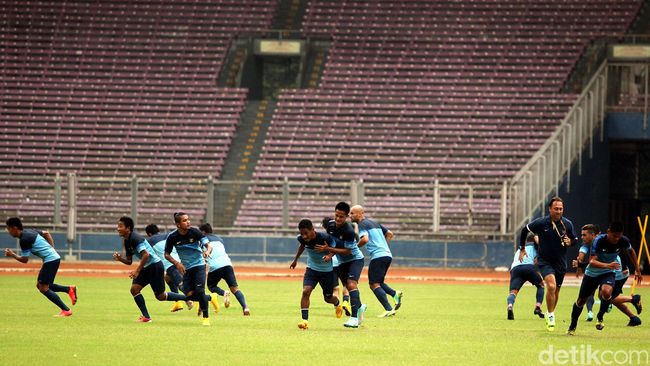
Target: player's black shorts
point(618, 287)
point(350, 270)
point(48, 272)
point(522, 274)
point(590, 284)
point(327, 280)
point(154, 275)
point(378, 268)
point(558, 270)
point(174, 275)
point(194, 279)
point(226, 273)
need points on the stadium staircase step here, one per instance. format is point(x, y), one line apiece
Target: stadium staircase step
point(241, 160)
point(230, 74)
point(289, 16)
point(315, 64)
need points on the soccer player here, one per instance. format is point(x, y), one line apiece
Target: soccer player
point(377, 238)
point(520, 272)
point(349, 257)
point(220, 267)
point(150, 269)
point(555, 234)
point(190, 244)
point(588, 234)
point(173, 278)
point(41, 244)
point(600, 272)
point(619, 300)
point(319, 269)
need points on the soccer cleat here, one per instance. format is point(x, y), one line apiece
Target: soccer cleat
point(538, 312)
point(511, 314)
point(205, 322)
point(226, 299)
point(386, 314)
point(634, 321)
point(571, 332)
point(190, 304)
point(346, 308)
point(352, 323)
point(178, 305)
point(72, 292)
point(590, 316)
point(303, 325)
point(247, 312)
point(64, 313)
point(550, 323)
point(360, 312)
point(636, 301)
point(213, 301)
point(144, 319)
point(398, 299)
point(339, 311)
point(600, 325)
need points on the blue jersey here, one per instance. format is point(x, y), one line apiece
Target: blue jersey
point(189, 246)
point(135, 244)
point(529, 259)
point(315, 259)
point(344, 238)
point(32, 242)
point(219, 258)
point(158, 242)
point(377, 245)
point(606, 252)
point(551, 251)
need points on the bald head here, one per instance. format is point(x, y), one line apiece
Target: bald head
point(356, 213)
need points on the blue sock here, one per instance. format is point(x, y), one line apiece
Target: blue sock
point(387, 289)
point(52, 296)
point(139, 300)
point(590, 303)
point(511, 299)
point(240, 297)
point(355, 302)
point(58, 288)
point(575, 315)
point(346, 298)
point(218, 290)
point(305, 314)
point(204, 299)
point(381, 296)
point(171, 296)
point(539, 295)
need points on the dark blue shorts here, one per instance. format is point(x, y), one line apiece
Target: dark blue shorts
point(48, 272)
point(327, 280)
point(618, 287)
point(175, 276)
point(337, 273)
point(154, 275)
point(522, 274)
point(194, 279)
point(226, 273)
point(546, 269)
point(590, 284)
point(350, 270)
point(378, 268)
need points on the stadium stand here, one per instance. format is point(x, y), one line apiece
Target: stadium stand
point(462, 92)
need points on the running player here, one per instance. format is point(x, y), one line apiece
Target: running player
point(41, 244)
point(522, 271)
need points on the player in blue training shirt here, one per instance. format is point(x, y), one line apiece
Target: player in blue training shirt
point(319, 269)
point(349, 257)
point(522, 272)
point(173, 278)
point(190, 245)
point(376, 239)
point(150, 269)
point(588, 233)
point(555, 233)
point(41, 244)
point(220, 267)
point(601, 272)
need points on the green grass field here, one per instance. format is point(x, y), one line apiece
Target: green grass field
point(438, 324)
